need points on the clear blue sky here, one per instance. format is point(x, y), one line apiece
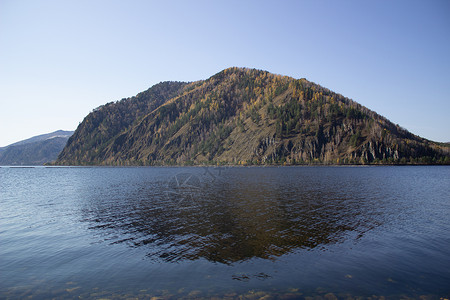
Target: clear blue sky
point(61, 59)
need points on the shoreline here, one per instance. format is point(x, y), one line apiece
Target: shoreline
point(217, 166)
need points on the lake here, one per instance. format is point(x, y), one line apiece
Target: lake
point(226, 232)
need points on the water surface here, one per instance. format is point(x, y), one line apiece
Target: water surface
point(228, 232)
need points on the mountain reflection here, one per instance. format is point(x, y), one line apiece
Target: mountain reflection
point(231, 218)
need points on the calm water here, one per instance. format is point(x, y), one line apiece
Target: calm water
point(226, 232)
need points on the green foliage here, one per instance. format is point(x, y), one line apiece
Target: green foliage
point(355, 139)
point(288, 117)
point(352, 113)
point(255, 115)
point(281, 89)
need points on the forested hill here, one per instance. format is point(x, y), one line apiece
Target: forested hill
point(37, 150)
point(243, 116)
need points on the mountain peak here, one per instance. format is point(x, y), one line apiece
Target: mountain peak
point(243, 116)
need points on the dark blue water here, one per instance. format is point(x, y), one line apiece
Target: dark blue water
point(225, 232)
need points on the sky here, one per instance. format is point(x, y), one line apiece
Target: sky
point(61, 59)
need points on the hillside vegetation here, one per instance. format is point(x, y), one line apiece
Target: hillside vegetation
point(243, 116)
point(37, 150)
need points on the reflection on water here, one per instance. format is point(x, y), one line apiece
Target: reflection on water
point(233, 216)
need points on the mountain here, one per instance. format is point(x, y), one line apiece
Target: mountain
point(243, 116)
point(36, 150)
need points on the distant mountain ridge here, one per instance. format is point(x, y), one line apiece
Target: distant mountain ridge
point(36, 150)
point(243, 116)
point(42, 137)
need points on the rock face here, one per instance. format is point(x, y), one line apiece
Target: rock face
point(37, 150)
point(243, 116)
